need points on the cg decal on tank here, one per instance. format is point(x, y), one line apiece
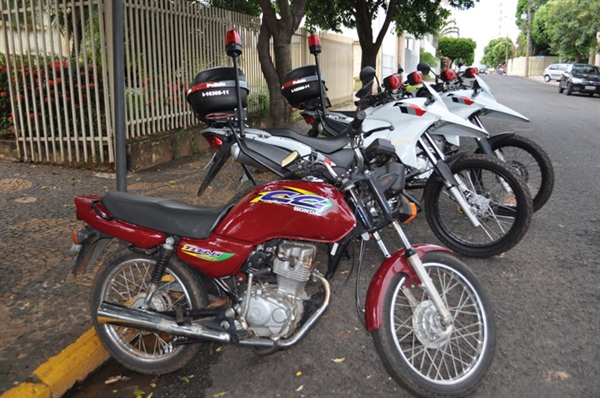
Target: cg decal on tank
point(299, 199)
point(205, 254)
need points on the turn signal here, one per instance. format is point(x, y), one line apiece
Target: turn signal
point(413, 213)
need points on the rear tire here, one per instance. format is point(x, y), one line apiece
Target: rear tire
point(504, 214)
point(412, 343)
point(123, 280)
point(546, 78)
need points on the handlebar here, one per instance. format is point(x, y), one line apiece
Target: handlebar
point(355, 127)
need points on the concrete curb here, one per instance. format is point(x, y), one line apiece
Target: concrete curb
point(62, 371)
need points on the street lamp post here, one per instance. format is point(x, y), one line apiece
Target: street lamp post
point(528, 38)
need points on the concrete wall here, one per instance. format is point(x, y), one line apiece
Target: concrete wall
point(537, 64)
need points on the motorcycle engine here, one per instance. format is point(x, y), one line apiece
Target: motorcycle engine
point(274, 310)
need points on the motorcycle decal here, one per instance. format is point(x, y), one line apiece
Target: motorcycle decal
point(412, 109)
point(463, 100)
point(299, 199)
point(205, 254)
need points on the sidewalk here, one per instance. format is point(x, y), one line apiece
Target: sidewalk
point(43, 307)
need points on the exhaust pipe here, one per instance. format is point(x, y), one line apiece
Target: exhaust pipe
point(153, 322)
point(134, 318)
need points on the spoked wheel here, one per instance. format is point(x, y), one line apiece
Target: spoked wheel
point(421, 353)
point(531, 163)
point(496, 196)
point(124, 281)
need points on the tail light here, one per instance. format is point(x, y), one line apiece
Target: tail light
point(309, 120)
point(214, 141)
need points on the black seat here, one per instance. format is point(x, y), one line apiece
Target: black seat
point(323, 145)
point(165, 215)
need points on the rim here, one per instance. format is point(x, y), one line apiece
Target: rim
point(491, 202)
point(525, 165)
point(127, 285)
point(437, 354)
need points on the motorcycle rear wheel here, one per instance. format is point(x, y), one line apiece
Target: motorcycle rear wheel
point(124, 280)
point(504, 214)
point(531, 163)
point(417, 350)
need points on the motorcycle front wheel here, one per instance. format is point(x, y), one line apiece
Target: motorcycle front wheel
point(422, 354)
point(531, 163)
point(124, 280)
point(496, 196)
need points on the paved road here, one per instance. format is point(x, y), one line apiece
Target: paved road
point(546, 291)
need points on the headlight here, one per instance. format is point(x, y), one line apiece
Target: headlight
point(576, 80)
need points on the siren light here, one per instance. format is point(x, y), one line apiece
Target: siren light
point(233, 43)
point(314, 44)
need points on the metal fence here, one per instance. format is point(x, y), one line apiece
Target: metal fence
point(59, 62)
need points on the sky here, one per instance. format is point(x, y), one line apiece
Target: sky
point(488, 20)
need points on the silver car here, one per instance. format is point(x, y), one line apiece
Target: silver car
point(554, 72)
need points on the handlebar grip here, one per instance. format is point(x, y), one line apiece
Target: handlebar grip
point(356, 124)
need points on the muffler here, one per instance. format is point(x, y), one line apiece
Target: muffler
point(134, 318)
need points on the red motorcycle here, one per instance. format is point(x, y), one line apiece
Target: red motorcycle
point(246, 273)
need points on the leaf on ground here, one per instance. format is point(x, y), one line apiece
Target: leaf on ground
point(299, 373)
point(558, 374)
point(185, 378)
point(220, 394)
point(338, 360)
point(139, 393)
point(114, 379)
point(45, 186)
point(299, 388)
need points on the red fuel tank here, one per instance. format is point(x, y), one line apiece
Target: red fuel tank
point(291, 209)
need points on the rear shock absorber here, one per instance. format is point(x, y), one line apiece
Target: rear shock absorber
point(164, 256)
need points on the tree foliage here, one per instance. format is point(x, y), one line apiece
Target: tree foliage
point(497, 51)
point(570, 27)
point(457, 48)
point(415, 17)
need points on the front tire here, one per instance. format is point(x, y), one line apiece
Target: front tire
point(546, 78)
point(531, 163)
point(560, 88)
point(569, 89)
point(496, 195)
point(124, 280)
point(417, 350)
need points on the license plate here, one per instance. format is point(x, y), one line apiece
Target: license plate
point(591, 88)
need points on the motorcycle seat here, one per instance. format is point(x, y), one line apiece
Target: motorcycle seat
point(323, 145)
point(169, 216)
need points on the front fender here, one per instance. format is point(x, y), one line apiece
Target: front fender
point(380, 283)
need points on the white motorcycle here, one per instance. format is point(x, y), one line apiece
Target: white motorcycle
point(475, 204)
point(473, 101)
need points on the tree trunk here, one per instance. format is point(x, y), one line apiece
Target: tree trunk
point(281, 28)
point(279, 114)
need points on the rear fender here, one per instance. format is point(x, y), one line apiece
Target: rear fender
point(93, 243)
point(396, 264)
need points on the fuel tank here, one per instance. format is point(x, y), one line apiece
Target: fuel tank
point(289, 209)
point(297, 210)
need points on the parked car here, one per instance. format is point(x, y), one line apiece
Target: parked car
point(553, 72)
point(582, 78)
